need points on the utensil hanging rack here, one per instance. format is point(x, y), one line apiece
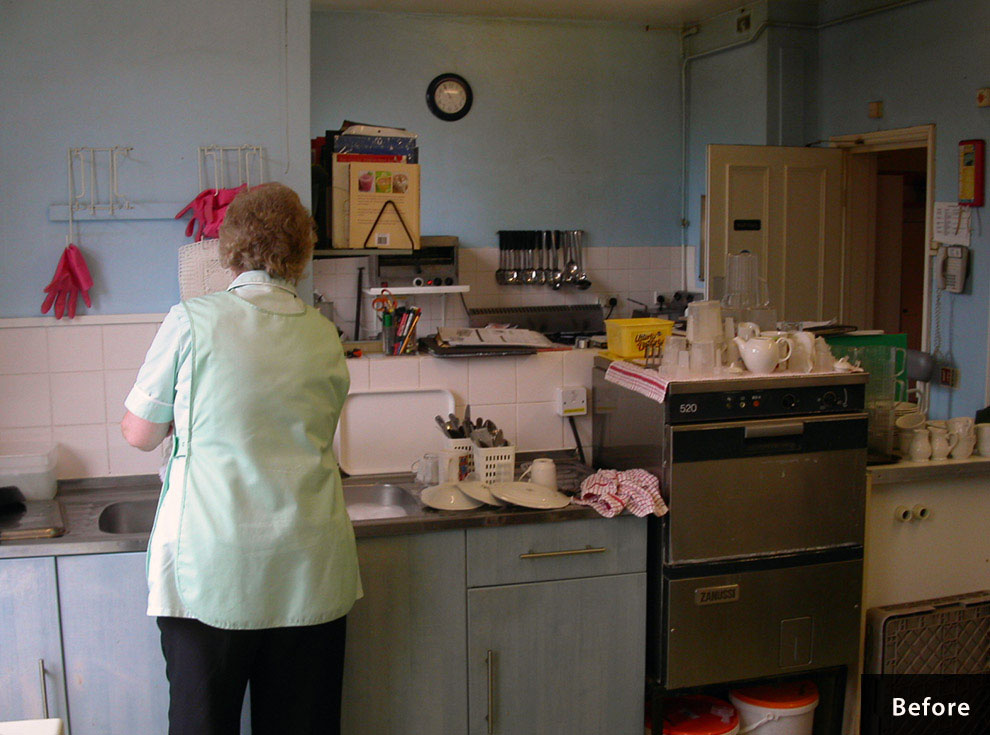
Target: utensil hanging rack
point(215, 160)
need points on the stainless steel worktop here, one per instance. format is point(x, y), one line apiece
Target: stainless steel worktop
point(84, 500)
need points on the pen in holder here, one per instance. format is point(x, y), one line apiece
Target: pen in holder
point(404, 339)
point(388, 333)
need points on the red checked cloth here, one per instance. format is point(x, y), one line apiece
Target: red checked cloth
point(638, 379)
point(609, 491)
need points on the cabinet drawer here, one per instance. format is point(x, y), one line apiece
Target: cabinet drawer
point(543, 551)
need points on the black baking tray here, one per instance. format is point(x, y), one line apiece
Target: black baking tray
point(430, 346)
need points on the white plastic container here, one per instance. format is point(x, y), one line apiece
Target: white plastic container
point(31, 467)
point(784, 709)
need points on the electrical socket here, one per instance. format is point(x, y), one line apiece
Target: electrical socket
point(605, 300)
point(657, 295)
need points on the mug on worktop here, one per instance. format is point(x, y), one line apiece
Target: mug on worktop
point(541, 472)
point(427, 469)
point(452, 465)
point(983, 439)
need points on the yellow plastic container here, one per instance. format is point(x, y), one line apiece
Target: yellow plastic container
point(630, 337)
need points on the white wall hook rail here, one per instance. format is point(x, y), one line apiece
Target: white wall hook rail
point(216, 161)
point(94, 184)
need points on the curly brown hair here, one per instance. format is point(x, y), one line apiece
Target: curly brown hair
point(267, 228)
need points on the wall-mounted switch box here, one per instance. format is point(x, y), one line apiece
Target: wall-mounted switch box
point(571, 401)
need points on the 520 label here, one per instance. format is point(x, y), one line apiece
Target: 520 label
point(688, 408)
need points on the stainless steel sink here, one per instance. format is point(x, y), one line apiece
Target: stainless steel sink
point(363, 502)
point(129, 516)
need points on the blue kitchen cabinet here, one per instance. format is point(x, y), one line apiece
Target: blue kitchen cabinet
point(115, 670)
point(556, 643)
point(29, 634)
point(404, 667)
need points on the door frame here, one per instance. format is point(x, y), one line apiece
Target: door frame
point(920, 136)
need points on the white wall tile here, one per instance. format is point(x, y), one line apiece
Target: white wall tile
point(78, 398)
point(578, 366)
point(538, 376)
point(538, 427)
point(82, 451)
point(360, 373)
point(394, 373)
point(486, 259)
point(502, 414)
point(642, 280)
point(23, 351)
point(25, 401)
point(117, 384)
point(491, 380)
point(125, 345)
point(75, 348)
point(618, 258)
point(451, 374)
point(596, 258)
point(639, 257)
point(124, 459)
point(35, 434)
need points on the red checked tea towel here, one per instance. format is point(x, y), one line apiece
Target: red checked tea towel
point(611, 491)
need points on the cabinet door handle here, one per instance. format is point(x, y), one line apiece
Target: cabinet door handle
point(490, 663)
point(567, 552)
point(44, 688)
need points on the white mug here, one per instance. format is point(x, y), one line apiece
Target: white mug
point(427, 469)
point(452, 465)
point(983, 439)
point(542, 472)
point(961, 425)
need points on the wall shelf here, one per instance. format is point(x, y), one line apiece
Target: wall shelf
point(410, 290)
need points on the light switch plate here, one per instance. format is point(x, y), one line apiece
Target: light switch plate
point(571, 401)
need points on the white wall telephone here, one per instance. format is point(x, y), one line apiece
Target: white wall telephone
point(951, 264)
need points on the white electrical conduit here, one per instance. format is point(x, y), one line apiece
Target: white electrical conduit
point(685, 60)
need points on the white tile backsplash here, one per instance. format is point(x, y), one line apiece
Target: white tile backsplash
point(82, 451)
point(26, 401)
point(117, 384)
point(78, 398)
point(492, 380)
point(360, 372)
point(75, 348)
point(537, 376)
point(450, 374)
point(538, 427)
point(394, 373)
point(125, 345)
point(23, 351)
point(123, 459)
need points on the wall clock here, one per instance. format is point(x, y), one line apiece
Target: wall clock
point(449, 97)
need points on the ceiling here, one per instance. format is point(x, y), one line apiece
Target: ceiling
point(653, 12)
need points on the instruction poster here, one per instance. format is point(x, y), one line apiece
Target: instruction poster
point(384, 205)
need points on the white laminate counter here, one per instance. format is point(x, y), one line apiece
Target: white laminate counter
point(906, 471)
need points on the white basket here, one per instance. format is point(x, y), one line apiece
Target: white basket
point(466, 445)
point(495, 464)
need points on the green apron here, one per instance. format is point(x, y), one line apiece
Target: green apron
point(264, 537)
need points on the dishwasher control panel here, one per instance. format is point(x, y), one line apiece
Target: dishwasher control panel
point(765, 403)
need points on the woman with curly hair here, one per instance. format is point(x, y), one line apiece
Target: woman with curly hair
point(252, 564)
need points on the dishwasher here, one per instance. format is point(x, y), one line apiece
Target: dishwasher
point(756, 572)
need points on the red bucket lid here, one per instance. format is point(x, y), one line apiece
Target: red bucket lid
point(779, 696)
point(698, 714)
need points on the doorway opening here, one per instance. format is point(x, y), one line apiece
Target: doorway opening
point(889, 199)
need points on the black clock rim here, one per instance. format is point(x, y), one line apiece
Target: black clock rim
point(432, 104)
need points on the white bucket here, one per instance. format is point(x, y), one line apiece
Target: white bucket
point(767, 720)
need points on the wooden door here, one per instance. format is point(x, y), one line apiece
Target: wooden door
point(785, 205)
point(29, 633)
point(558, 657)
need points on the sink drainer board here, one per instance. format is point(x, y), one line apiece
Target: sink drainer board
point(386, 431)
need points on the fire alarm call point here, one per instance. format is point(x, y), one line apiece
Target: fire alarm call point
point(971, 172)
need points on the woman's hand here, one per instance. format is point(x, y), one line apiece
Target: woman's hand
point(143, 434)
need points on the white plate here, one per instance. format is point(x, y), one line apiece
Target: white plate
point(448, 497)
point(479, 491)
point(529, 495)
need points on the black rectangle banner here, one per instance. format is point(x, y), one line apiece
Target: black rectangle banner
point(924, 704)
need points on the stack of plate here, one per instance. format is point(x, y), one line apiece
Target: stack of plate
point(472, 494)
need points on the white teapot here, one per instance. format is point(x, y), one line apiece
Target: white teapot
point(762, 354)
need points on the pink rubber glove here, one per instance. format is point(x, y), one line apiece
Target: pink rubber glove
point(80, 274)
point(62, 290)
point(202, 207)
point(222, 201)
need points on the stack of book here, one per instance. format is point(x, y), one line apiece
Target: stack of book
point(382, 210)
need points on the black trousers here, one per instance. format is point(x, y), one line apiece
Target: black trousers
point(295, 676)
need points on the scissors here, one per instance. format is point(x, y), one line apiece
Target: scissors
point(384, 302)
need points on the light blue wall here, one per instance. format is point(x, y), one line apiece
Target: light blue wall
point(925, 61)
point(574, 125)
point(163, 77)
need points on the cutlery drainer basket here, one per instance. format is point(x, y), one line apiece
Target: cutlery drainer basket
point(466, 445)
point(495, 464)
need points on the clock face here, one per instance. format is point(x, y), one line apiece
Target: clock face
point(449, 97)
